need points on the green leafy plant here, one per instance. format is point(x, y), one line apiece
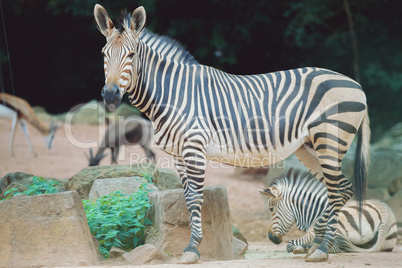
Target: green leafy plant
point(41, 186)
point(38, 186)
point(119, 219)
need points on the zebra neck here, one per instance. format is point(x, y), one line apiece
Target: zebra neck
point(307, 214)
point(143, 94)
point(154, 82)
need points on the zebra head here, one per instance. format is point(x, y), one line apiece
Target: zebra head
point(120, 52)
point(281, 216)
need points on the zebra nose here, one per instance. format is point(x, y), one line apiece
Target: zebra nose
point(275, 239)
point(110, 93)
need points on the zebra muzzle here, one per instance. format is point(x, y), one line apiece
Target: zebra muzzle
point(275, 239)
point(111, 96)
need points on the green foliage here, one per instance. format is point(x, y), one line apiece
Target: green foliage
point(119, 219)
point(38, 186)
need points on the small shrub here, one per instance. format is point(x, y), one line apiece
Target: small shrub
point(38, 186)
point(119, 219)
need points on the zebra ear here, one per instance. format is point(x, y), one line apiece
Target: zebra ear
point(104, 23)
point(270, 192)
point(138, 20)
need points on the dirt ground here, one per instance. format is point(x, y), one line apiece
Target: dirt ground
point(68, 156)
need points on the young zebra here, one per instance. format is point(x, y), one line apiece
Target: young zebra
point(201, 113)
point(297, 197)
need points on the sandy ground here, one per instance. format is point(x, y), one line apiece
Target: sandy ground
point(68, 156)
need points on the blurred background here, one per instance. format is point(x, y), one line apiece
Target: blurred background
point(54, 46)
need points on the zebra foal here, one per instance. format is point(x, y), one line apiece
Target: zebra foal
point(298, 198)
point(200, 113)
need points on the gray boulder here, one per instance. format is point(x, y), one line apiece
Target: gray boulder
point(395, 203)
point(14, 185)
point(385, 168)
point(127, 185)
point(145, 254)
point(168, 179)
point(42, 230)
point(82, 181)
point(238, 234)
point(115, 252)
point(171, 229)
point(239, 248)
point(24, 179)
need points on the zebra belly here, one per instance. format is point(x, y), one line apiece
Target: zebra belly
point(253, 158)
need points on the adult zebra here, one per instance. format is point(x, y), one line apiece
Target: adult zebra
point(201, 113)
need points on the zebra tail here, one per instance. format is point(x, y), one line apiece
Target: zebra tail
point(362, 163)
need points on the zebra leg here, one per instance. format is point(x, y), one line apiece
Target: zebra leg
point(309, 158)
point(192, 171)
point(339, 192)
point(302, 244)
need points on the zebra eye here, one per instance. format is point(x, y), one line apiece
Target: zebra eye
point(271, 209)
point(131, 55)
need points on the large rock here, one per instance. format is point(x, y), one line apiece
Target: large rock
point(14, 185)
point(385, 168)
point(82, 181)
point(45, 230)
point(168, 179)
point(171, 229)
point(115, 252)
point(25, 179)
point(127, 185)
point(239, 248)
point(391, 139)
point(386, 162)
point(238, 234)
point(395, 203)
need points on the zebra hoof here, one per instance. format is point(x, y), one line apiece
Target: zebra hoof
point(189, 257)
point(311, 250)
point(317, 256)
point(299, 250)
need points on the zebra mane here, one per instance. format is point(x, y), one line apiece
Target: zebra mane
point(163, 45)
point(296, 178)
point(167, 47)
point(124, 21)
